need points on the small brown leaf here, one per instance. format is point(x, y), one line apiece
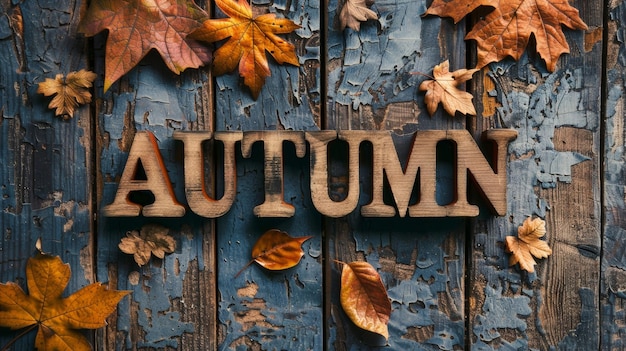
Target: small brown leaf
point(69, 92)
point(444, 89)
point(276, 250)
point(58, 318)
point(353, 13)
point(364, 297)
point(528, 244)
point(152, 240)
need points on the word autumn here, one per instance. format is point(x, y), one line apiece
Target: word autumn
point(420, 167)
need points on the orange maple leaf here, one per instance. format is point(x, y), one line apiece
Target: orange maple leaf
point(444, 89)
point(136, 27)
point(507, 29)
point(69, 92)
point(528, 243)
point(250, 37)
point(57, 317)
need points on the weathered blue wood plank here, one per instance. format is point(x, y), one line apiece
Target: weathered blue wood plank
point(553, 174)
point(173, 300)
point(272, 310)
point(421, 261)
point(45, 162)
point(613, 288)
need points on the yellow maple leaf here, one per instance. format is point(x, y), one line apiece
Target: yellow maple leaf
point(58, 318)
point(444, 89)
point(69, 92)
point(249, 39)
point(528, 243)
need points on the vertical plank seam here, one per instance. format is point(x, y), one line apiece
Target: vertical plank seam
point(326, 271)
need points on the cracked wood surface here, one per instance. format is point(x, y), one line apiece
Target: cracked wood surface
point(448, 279)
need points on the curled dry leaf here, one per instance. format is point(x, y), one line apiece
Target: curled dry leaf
point(152, 240)
point(249, 39)
point(528, 243)
point(353, 13)
point(69, 92)
point(364, 298)
point(58, 318)
point(276, 250)
point(444, 89)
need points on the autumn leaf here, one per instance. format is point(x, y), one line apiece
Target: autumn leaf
point(152, 240)
point(69, 92)
point(353, 13)
point(136, 27)
point(457, 9)
point(444, 89)
point(528, 243)
point(248, 40)
point(58, 318)
point(276, 250)
point(364, 298)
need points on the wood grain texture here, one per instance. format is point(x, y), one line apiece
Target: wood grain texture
point(421, 261)
point(260, 309)
point(45, 178)
point(554, 173)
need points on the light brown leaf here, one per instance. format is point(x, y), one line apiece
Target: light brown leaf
point(276, 250)
point(528, 243)
point(69, 92)
point(58, 318)
point(249, 38)
point(444, 89)
point(136, 27)
point(353, 13)
point(364, 298)
point(152, 240)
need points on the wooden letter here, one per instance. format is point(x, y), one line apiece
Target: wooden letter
point(274, 205)
point(145, 150)
point(319, 174)
point(197, 198)
point(422, 159)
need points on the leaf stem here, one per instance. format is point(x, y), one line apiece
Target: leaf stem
point(17, 337)
point(238, 273)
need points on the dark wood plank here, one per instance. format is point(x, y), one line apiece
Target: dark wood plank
point(45, 173)
point(261, 309)
point(613, 288)
point(421, 261)
point(553, 174)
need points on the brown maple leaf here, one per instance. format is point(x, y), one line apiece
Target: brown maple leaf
point(69, 92)
point(276, 250)
point(444, 89)
point(58, 318)
point(457, 9)
point(528, 243)
point(152, 240)
point(249, 39)
point(364, 298)
point(353, 13)
point(506, 31)
point(136, 27)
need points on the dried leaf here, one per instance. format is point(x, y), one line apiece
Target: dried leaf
point(528, 243)
point(248, 40)
point(58, 318)
point(152, 240)
point(506, 31)
point(136, 27)
point(353, 13)
point(364, 297)
point(276, 250)
point(69, 92)
point(444, 89)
